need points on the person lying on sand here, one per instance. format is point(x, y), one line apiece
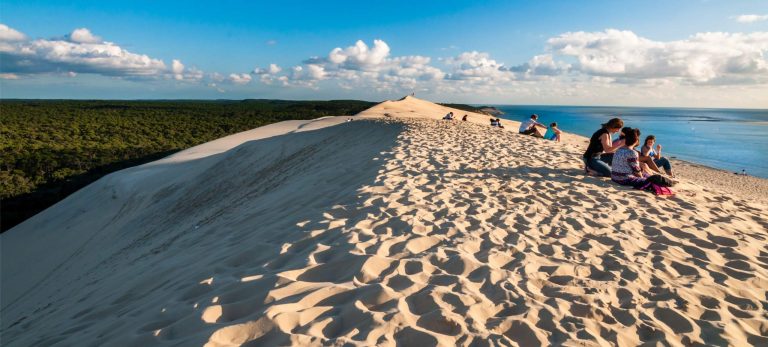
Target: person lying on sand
point(553, 133)
point(529, 127)
point(600, 143)
point(647, 151)
point(625, 168)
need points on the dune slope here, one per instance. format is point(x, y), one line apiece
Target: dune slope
point(394, 229)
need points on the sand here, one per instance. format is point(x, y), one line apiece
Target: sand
point(390, 229)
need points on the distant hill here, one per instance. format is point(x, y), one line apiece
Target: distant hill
point(488, 110)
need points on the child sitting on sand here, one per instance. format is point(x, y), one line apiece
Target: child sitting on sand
point(647, 151)
point(625, 168)
point(553, 133)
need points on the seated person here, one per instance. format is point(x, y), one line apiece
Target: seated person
point(494, 122)
point(464, 118)
point(608, 157)
point(529, 127)
point(448, 116)
point(553, 133)
point(498, 123)
point(646, 163)
point(600, 143)
point(625, 168)
point(647, 151)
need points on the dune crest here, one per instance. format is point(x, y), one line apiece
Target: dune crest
point(395, 228)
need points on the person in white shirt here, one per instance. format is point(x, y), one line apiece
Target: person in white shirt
point(529, 127)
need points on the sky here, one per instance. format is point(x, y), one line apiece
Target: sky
point(702, 53)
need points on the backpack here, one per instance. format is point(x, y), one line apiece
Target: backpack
point(657, 190)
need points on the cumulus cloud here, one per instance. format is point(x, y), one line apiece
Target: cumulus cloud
point(83, 52)
point(83, 35)
point(8, 34)
point(702, 58)
point(360, 56)
point(272, 69)
point(751, 18)
point(476, 66)
point(178, 69)
point(240, 79)
point(541, 65)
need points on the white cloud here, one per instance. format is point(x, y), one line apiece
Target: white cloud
point(751, 18)
point(240, 79)
point(476, 66)
point(83, 52)
point(178, 69)
point(8, 34)
point(360, 56)
point(83, 35)
point(272, 69)
point(702, 58)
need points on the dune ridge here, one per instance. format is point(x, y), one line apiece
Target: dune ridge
point(395, 228)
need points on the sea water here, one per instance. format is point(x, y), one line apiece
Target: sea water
point(729, 139)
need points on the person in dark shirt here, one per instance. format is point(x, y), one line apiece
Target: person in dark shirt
point(600, 143)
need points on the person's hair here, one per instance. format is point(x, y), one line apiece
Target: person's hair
point(650, 137)
point(614, 123)
point(624, 132)
point(534, 116)
point(554, 125)
point(631, 138)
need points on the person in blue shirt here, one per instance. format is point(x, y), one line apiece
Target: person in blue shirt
point(553, 133)
point(655, 155)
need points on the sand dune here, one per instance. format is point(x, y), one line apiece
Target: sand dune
point(391, 229)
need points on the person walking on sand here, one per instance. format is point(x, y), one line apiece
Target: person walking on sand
point(655, 155)
point(625, 168)
point(600, 143)
point(529, 127)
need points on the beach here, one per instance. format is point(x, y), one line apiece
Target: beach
point(391, 227)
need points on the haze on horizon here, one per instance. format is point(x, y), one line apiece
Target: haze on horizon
point(638, 53)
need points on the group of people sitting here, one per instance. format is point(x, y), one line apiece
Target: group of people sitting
point(528, 127)
point(622, 162)
point(449, 116)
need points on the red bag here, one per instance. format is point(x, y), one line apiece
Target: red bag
point(657, 189)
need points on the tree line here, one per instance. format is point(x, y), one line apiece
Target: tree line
point(51, 148)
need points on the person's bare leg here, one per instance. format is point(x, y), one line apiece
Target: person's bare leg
point(647, 160)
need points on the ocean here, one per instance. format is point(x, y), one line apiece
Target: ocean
point(729, 139)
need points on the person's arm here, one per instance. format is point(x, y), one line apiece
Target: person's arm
point(644, 151)
point(633, 162)
point(658, 151)
point(556, 130)
point(608, 147)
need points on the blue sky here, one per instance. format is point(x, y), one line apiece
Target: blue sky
point(480, 52)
